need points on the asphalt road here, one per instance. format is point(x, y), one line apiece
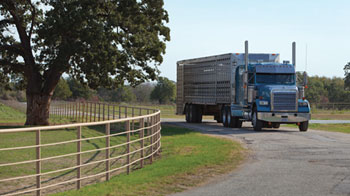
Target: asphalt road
point(281, 162)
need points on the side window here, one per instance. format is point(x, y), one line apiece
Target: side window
point(251, 78)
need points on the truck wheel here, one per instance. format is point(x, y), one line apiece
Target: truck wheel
point(303, 126)
point(231, 121)
point(187, 113)
point(257, 124)
point(194, 113)
point(199, 114)
point(238, 123)
point(218, 118)
point(276, 125)
point(191, 114)
point(224, 117)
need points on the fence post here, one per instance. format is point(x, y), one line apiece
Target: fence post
point(79, 157)
point(108, 144)
point(158, 134)
point(38, 163)
point(133, 122)
point(73, 106)
point(127, 129)
point(142, 132)
point(126, 111)
point(99, 112)
point(108, 112)
point(103, 109)
point(83, 112)
point(87, 111)
point(91, 112)
point(113, 112)
point(79, 114)
point(95, 113)
point(151, 134)
point(119, 112)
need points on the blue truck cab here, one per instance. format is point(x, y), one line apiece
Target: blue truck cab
point(273, 97)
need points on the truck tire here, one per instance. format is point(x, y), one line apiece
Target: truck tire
point(304, 126)
point(276, 125)
point(257, 124)
point(194, 113)
point(199, 114)
point(190, 116)
point(230, 120)
point(187, 113)
point(218, 118)
point(238, 123)
point(224, 116)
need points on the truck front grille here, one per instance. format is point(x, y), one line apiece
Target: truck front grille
point(284, 101)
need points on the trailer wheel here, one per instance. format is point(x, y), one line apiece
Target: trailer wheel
point(257, 124)
point(218, 118)
point(187, 113)
point(191, 114)
point(304, 126)
point(194, 114)
point(199, 113)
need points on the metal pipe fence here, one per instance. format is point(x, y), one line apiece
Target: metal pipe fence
point(331, 106)
point(131, 137)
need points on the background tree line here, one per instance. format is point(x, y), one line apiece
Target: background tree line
point(70, 89)
point(320, 90)
point(326, 90)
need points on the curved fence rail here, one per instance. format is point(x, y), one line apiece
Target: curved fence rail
point(71, 155)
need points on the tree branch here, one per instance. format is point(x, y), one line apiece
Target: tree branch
point(25, 39)
point(17, 67)
point(33, 18)
point(16, 48)
point(6, 21)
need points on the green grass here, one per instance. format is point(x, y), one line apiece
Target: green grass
point(187, 159)
point(321, 114)
point(343, 128)
point(10, 115)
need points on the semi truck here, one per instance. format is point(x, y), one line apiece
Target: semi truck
point(238, 87)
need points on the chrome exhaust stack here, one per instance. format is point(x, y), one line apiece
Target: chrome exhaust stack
point(245, 75)
point(294, 54)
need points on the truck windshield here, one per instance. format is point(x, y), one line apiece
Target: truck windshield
point(265, 78)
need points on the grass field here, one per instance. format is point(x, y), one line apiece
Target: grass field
point(343, 128)
point(10, 115)
point(188, 158)
point(330, 114)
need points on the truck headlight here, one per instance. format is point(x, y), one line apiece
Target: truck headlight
point(303, 104)
point(263, 103)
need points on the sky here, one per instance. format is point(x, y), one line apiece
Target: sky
point(321, 29)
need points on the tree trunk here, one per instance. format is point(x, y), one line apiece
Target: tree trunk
point(38, 107)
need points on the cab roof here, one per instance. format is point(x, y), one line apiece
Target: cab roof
point(271, 68)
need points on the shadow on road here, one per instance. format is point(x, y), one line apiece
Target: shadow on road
point(217, 128)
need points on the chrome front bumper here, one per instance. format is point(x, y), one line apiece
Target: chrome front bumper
point(282, 117)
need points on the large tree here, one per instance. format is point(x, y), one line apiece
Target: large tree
point(98, 42)
point(164, 91)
